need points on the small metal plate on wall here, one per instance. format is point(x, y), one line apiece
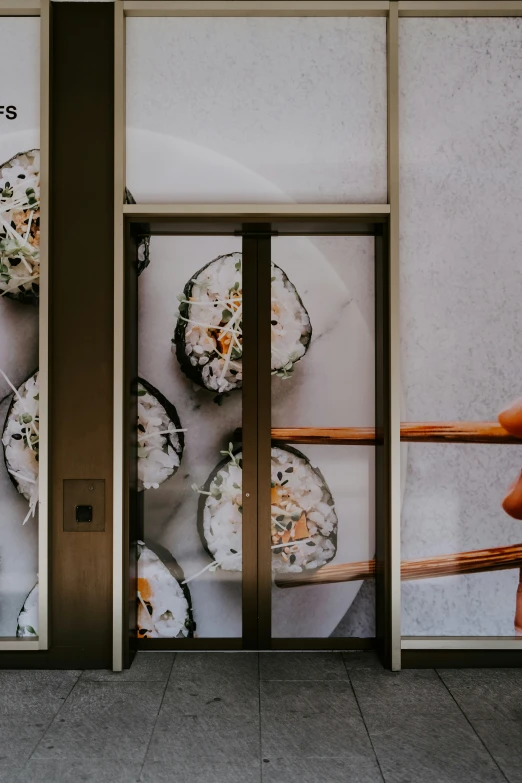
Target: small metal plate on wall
point(80, 494)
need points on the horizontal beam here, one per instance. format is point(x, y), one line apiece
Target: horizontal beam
point(256, 7)
point(16, 644)
point(461, 643)
point(240, 211)
point(19, 8)
point(459, 8)
point(204, 644)
point(411, 432)
point(290, 8)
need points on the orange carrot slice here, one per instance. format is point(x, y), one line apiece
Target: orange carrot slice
point(144, 589)
point(301, 528)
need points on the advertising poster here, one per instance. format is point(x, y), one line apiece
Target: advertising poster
point(320, 136)
point(19, 296)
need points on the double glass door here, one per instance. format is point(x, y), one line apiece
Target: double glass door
point(254, 471)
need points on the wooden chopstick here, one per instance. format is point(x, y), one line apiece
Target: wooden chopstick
point(411, 432)
point(456, 432)
point(497, 559)
point(361, 436)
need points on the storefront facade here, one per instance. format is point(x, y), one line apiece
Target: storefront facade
point(331, 188)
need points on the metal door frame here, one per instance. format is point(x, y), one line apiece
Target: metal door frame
point(257, 233)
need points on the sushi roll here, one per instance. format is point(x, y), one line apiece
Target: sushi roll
point(144, 236)
point(20, 439)
point(209, 338)
point(28, 618)
point(164, 604)
point(160, 437)
point(20, 227)
point(290, 322)
point(303, 518)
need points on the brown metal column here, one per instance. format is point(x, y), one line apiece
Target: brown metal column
point(257, 571)
point(81, 323)
point(382, 448)
point(250, 392)
point(264, 423)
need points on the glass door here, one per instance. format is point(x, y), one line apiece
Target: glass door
point(323, 418)
point(254, 444)
point(189, 465)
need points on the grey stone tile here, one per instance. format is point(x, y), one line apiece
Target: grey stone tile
point(11, 771)
point(307, 735)
point(486, 693)
point(307, 696)
point(182, 740)
point(146, 667)
point(213, 685)
point(503, 739)
point(198, 771)
point(103, 720)
point(29, 700)
point(431, 749)
point(212, 697)
point(361, 659)
point(38, 694)
point(412, 692)
point(302, 666)
point(202, 666)
point(19, 737)
point(86, 771)
point(349, 769)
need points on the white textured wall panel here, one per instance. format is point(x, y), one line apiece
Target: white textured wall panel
point(461, 294)
point(256, 109)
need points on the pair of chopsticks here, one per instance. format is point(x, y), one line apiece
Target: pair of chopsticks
point(480, 560)
point(411, 432)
